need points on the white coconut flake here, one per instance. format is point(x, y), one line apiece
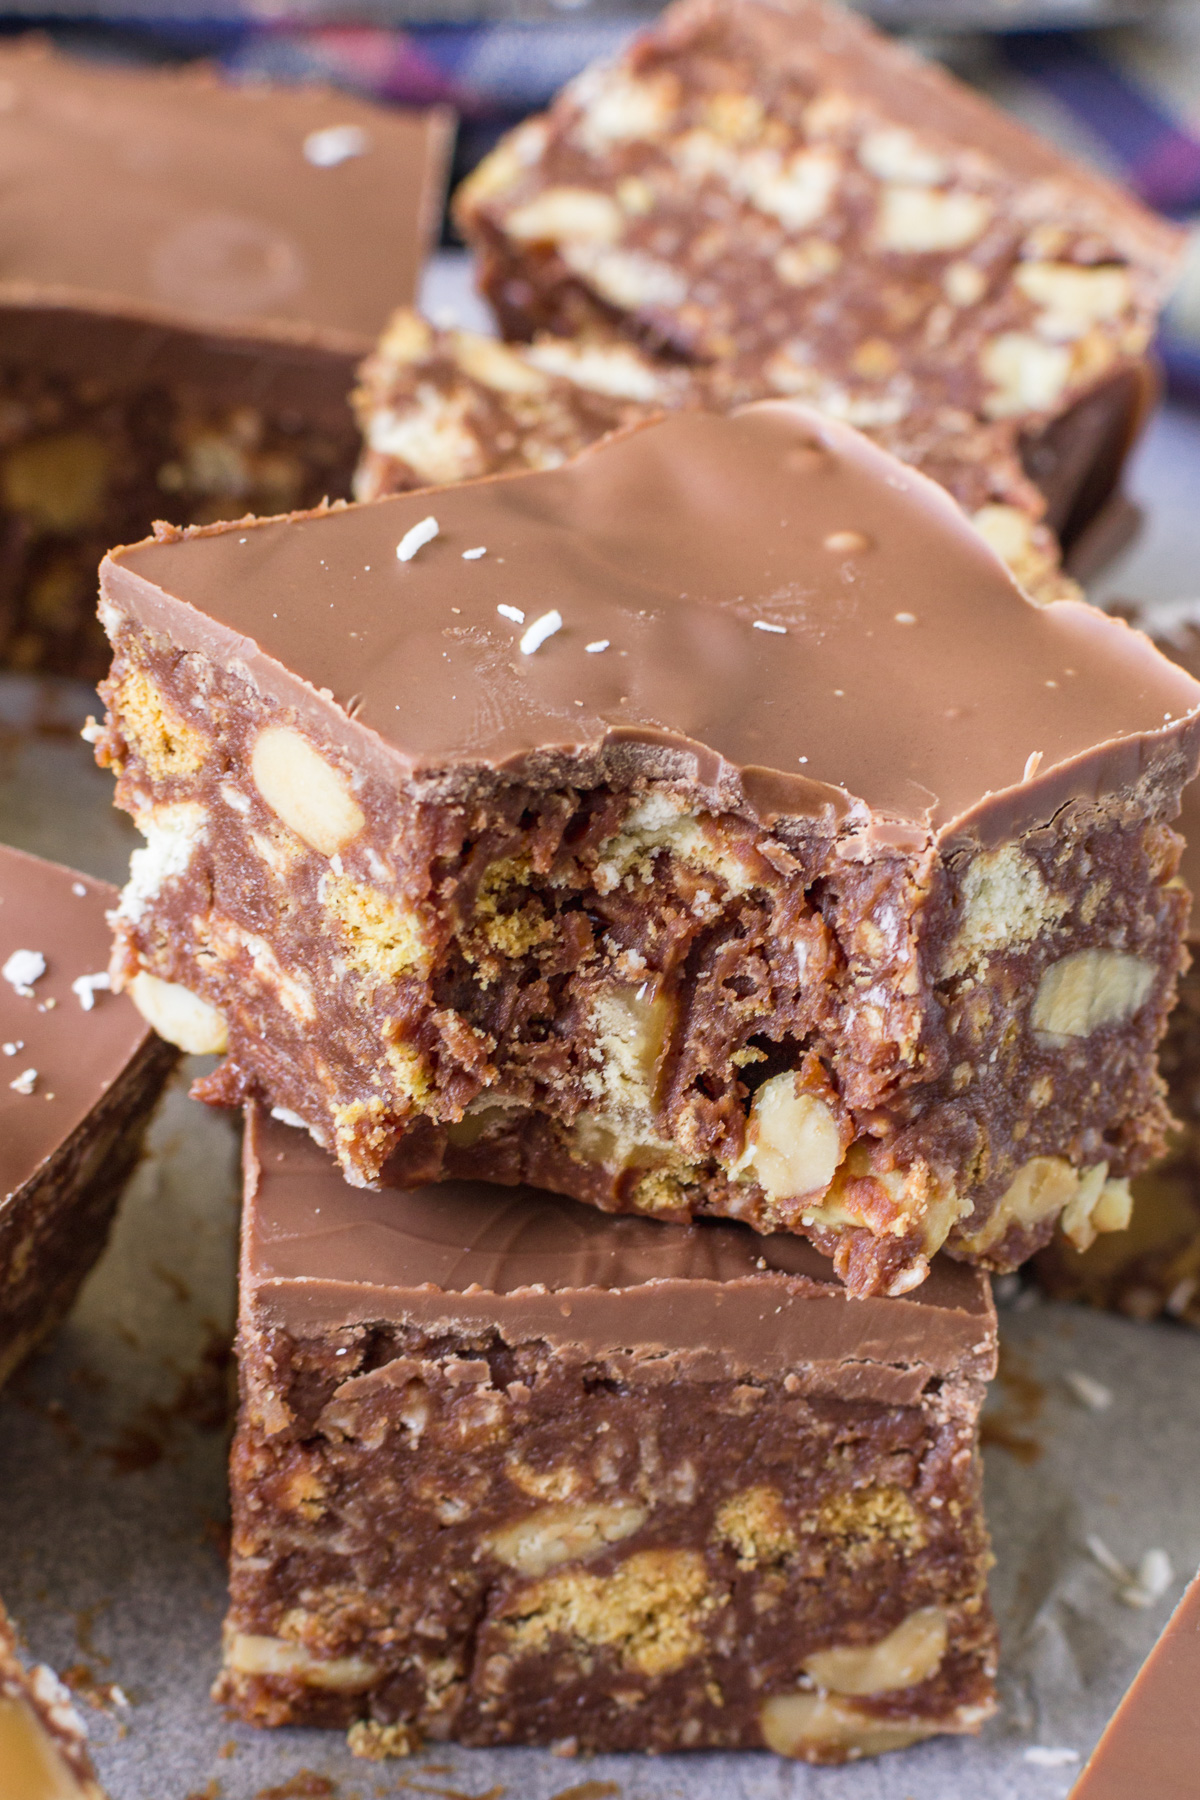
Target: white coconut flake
point(1154, 1576)
point(1088, 1391)
point(286, 1116)
point(1046, 1756)
point(474, 555)
point(416, 537)
point(25, 1083)
point(600, 644)
point(79, 891)
point(11, 1049)
point(1140, 1588)
point(86, 987)
point(762, 625)
point(22, 969)
point(511, 612)
point(334, 144)
point(93, 731)
point(539, 631)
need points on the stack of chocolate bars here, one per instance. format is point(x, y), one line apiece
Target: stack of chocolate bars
point(675, 912)
point(709, 829)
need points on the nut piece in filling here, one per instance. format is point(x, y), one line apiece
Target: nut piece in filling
point(43, 1742)
point(792, 203)
point(511, 1472)
point(80, 1073)
point(731, 837)
point(192, 270)
point(1153, 1267)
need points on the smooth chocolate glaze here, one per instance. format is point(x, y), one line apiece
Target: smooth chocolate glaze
point(467, 1256)
point(186, 200)
point(901, 684)
point(78, 1055)
point(1151, 1745)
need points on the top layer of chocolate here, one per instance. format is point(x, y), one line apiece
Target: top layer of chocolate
point(75, 1055)
point(468, 1257)
point(287, 212)
point(1152, 1743)
point(764, 604)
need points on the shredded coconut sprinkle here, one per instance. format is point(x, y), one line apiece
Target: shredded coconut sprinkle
point(22, 969)
point(1140, 1587)
point(25, 1082)
point(474, 555)
point(92, 732)
point(539, 631)
point(11, 1049)
point(335, 144)
point(79, 891)
point(86, 987)
point(1088, 1391)
point(762, 625)
point(512, 612)
point(416, 538)
point(600, 644)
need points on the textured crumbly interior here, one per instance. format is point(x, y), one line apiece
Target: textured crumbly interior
point(1154, 1267)
point(717, 198)
point(505, 1544)
point(444, 406)
point(53, 1229)
point(88, 463)
point(43, 1742)
point(714, 199)
point(618, 996)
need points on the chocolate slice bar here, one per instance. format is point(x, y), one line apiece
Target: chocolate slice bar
point(437, 406)
point(43, 1742)
point(512, 1472)
point(80, 1073)
point(709, 826)
point(772, 186)
point(1152, 1743)
point(1153, 1267)
point(192, 271)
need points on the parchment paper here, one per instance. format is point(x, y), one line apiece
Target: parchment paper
point(112, 1443)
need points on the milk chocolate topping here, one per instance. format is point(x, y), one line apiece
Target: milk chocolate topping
point(176, 197)
point(778, 608)
point(1152, 1743)
point(318, 1253)
point(76, 1055)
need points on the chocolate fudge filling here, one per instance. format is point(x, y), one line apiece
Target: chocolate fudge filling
point(510, 1471)
point(1153, 1267)
point(192, 271)
point(79, 1075)
point(710, 826)
point(774, 191)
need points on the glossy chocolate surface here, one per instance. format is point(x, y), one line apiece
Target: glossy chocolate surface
point(468, 1256)
point(77, 1055)
point(184, 199)
point(792, 619)
point(1151, 1745)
